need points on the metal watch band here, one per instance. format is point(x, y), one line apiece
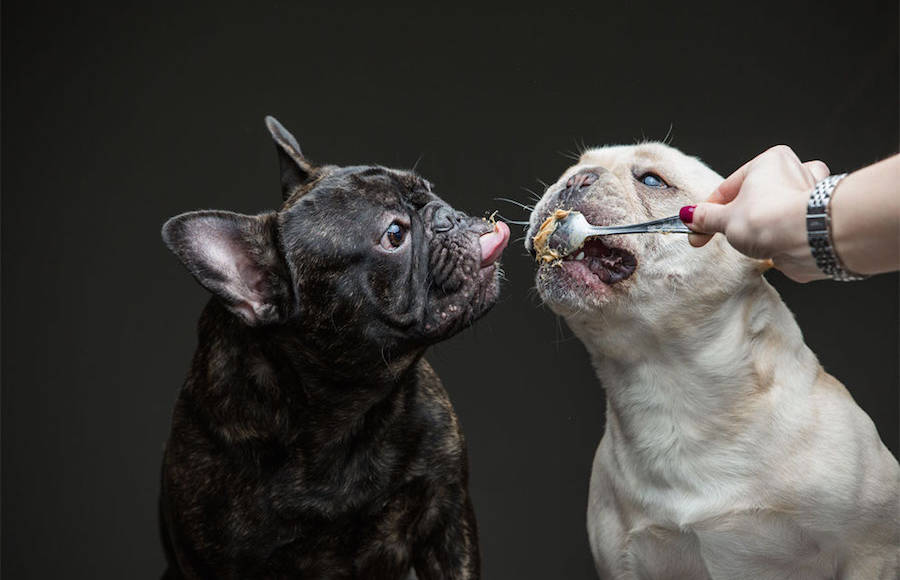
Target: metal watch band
point(818, 231)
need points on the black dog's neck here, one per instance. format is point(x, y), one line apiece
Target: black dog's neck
point(266, 385)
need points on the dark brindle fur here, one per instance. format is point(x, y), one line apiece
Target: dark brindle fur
point(311, 439)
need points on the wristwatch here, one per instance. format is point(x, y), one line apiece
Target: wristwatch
point(818, 231)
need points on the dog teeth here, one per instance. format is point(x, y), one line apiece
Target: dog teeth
point(580, 256)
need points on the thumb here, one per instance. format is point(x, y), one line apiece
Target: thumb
point(709, 218)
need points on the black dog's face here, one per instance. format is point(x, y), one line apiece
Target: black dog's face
point(359, 259)
point(374, 253)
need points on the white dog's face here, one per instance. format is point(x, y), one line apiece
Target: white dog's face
point(651, 272)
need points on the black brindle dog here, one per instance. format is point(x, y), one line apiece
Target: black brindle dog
point(311, 439)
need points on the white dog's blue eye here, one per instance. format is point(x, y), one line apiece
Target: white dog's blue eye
point(653, 180)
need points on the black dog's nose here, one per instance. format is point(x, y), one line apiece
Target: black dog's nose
point(445, 219)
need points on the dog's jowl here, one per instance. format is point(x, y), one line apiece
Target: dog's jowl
point(728, 451)
point(311, 439)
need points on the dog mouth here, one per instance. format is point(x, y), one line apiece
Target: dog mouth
point(588, 276)
point(464, 272)
point(608, 264)
point(596, 260)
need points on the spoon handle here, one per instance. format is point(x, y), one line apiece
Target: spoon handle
point(666, 225)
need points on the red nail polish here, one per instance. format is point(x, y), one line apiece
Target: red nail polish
point(686, 214)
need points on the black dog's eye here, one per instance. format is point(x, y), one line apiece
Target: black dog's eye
point(393, 237)
point(652, 180)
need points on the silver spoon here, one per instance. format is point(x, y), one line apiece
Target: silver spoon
point(572, 229)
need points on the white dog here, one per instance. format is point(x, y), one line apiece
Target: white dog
point(728, 452)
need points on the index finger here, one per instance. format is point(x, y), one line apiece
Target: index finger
point(729, 188)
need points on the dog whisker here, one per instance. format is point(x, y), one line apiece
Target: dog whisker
point(582, 147)
point(416, 164)
point(522, 205)
point(509, 221)
point(666, 139)
point(532, 195)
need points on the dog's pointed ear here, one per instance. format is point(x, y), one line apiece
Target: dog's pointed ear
point(295, 168)
point(234, 256)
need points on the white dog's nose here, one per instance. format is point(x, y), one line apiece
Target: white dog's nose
point(579, 182)
point(581, 179)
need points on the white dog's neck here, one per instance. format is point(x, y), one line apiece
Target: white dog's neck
point(677, 383)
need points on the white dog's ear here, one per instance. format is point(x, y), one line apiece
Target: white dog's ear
point(234, 256)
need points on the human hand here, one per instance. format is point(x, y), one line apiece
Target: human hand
point(761, 209)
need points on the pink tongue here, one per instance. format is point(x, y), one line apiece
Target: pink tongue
point(492, 243)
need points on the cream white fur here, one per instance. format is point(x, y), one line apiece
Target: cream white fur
point(728, 451)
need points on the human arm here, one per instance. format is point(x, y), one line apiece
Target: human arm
point(761, 209)
point(865, 218)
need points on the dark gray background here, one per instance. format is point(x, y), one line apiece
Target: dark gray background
point(117, 116)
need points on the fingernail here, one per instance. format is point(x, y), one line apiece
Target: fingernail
point(686, 214)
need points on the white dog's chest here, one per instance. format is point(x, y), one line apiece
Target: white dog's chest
point(750, 545)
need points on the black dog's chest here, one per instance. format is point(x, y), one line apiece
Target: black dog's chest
point(379, 529)
point(347, 485)
point(328, 512)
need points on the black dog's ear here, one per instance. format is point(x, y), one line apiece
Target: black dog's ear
point(234, 256)
point(295, 169)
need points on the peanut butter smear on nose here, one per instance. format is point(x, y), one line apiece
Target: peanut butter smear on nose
point(541, 240)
